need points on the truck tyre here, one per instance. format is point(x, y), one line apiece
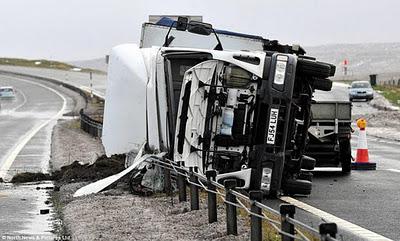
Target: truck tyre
point(308, 176)
point(333, 70)
point(322, 84)
point(345, 155)
point(307, 162)
point(313, 68)
point(296, 186)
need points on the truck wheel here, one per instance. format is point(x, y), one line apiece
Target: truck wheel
point(307, 162)
point(322, 84)
point(345, 155)
point(314, 68)
point(333, 70)
point(296, 186)
point(308, 176)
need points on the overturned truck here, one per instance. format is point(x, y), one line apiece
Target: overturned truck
point(239, 107)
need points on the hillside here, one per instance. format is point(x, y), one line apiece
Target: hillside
point(364, 59)
point(99, 64)
point(42, 63)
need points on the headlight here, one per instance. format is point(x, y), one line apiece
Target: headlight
point(280, 69)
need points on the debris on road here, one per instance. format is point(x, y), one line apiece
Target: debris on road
point(383, 119)
point(101, 168)
point(77, 172)
point(30, 177)
point(44, 211)
point(381, 103)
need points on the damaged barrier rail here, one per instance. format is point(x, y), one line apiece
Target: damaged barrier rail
point(288, 227)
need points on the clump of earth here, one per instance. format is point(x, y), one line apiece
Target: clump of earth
point(77, 172)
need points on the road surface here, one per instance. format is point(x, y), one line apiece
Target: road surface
point(366, 199)
point(26, 124)
point(78, 79)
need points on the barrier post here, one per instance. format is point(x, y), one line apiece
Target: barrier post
point(212, 197)
point(194, 191)
point(167, 180)
point(287, 210)
point(327, 229)
point(181, 182)
point(231, 212)
point(255, 222)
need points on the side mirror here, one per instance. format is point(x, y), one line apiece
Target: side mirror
point(200, 28)
point(182, 23)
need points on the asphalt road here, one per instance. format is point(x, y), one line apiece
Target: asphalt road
point(369, 199)
point(26, 124)
point(79, 79)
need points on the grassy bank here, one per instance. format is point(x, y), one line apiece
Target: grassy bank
point(391, 93)
point(41, 63)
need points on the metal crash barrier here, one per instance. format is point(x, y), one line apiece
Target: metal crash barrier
point(284, 224)
point(90, 126)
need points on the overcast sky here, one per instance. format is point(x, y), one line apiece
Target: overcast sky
point(85, 29)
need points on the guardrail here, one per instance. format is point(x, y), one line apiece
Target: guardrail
point(90, 126)
point(389, 82)
point(288, 227)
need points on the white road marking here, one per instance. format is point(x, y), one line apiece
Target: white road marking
point(327, 169)
point(32, 155)
point(23, 102)
point(363, 233)
point(13, 153)
point(392, 170)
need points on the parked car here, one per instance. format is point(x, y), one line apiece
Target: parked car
point(7, 92)
point(361, 90)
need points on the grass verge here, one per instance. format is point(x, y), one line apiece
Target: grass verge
point(391, 93)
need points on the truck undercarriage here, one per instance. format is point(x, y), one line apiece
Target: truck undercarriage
point(239, 121)
point(244, 114)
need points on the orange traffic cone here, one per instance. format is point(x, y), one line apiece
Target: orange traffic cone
point(362, 158)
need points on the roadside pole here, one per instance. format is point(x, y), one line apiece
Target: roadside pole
point(91, 84)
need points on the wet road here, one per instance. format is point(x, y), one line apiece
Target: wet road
point(78, 79)
point(25, 125)
point(20, 216)
point(369, 199)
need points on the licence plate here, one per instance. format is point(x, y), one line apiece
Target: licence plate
point(273, 123)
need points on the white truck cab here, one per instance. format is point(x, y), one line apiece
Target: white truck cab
point(235, 111)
